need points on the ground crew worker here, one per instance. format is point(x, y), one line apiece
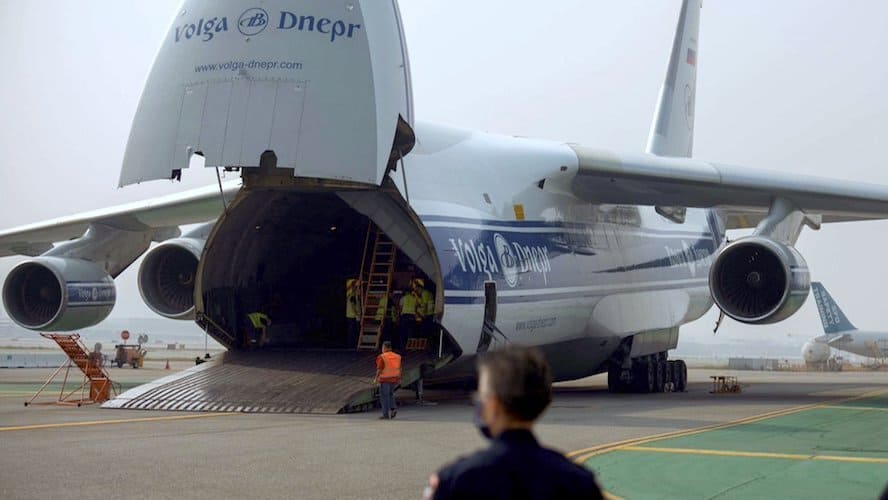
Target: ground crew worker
point(260, 322)
point(428, 304)
point(387, 310)
point(514, 387)
point(380, 309)
point(353, 310)
point(388, 376)
point(416, 288)
point(407, 322)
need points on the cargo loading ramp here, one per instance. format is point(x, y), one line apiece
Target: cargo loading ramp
point(275, 381)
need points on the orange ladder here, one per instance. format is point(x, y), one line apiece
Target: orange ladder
point(376, 284)
point(100, 385)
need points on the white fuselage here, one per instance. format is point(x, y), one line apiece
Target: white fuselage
point(568, 272)
point(870, 344)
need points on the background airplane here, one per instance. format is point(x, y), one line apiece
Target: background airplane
point(678, 257)
point(840, 334)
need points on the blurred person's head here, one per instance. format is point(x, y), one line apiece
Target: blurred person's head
point(386, 346)
point(514, 388)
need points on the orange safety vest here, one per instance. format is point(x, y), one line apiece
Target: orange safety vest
point(391, 367)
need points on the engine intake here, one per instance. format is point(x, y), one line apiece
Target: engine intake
point(53, 293)
point(166, 277)
point(758, 280)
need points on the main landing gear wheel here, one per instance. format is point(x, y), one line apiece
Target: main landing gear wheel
point(644, 376)
point(671, 378)
point(614, 384)
point(659, 376)
point(681, 376)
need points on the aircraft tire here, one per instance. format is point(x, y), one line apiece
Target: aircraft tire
point(659, 376)
point(614, 384)
point(682, 373)
point(670, 374)
point(644, 377)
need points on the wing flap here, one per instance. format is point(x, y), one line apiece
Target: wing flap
point(743, 194)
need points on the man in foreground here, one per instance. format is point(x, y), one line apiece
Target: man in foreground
point(514, 387)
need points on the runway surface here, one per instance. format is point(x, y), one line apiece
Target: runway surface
point(51, 451)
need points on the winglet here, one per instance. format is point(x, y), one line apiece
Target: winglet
point(832, 317)
point(672, 132)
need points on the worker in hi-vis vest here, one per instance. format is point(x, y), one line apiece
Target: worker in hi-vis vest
point(353, 310)
point(427, 299)
point(260, 323)
point(388, 376)
point(386, 309)
point(411, 313)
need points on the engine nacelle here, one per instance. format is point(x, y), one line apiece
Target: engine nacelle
point(758, 280)
point(166, 277)
point(54, 293)
point(815, 352)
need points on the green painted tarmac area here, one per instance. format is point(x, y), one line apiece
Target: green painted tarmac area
point(836, 451)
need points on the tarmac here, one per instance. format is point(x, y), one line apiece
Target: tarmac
point(786, 435)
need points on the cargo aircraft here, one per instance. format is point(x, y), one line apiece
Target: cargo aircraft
point(595, 256)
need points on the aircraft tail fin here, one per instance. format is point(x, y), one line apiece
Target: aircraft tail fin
point(831, 315)
point(672, 131)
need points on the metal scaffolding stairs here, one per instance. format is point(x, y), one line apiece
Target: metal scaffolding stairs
point(376, 285)
point(90, 364)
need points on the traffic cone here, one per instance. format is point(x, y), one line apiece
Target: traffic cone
point(167, 365)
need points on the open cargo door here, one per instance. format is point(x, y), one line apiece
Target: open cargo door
point(321, 83)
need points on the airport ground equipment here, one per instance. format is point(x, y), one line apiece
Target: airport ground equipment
point(130, 354)
point(376, 284)
point(95, 378)
point(281, 381)
point(722, 384)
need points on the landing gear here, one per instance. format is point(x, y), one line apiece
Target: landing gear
point(681, 376)
point(614, 384)
point(659, 375)
point(647, 375)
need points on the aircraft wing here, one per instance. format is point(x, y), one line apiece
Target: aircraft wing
point(743, 194)
point(838, 339)
point(166, 212)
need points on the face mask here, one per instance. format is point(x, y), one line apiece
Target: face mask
point(483, 428)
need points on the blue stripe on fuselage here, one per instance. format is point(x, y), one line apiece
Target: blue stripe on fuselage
point(542, 258)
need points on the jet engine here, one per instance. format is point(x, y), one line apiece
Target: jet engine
point(815, 352)
point(758, 280)
point(166, 277)
point(61, 294)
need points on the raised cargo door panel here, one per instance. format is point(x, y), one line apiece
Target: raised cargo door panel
point(319, 82)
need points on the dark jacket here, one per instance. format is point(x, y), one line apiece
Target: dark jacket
point(515, 466)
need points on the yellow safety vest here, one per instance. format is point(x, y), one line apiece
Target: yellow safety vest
point(408, 304)
point(352, 307)
point(259, 320)
point(380, 311)
point(428, 302)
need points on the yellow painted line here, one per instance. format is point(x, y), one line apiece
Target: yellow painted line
point(755, 454)
point(118, 421)
point(861, 408)
point(582, 455)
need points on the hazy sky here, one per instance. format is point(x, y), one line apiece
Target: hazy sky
point(792, 85)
